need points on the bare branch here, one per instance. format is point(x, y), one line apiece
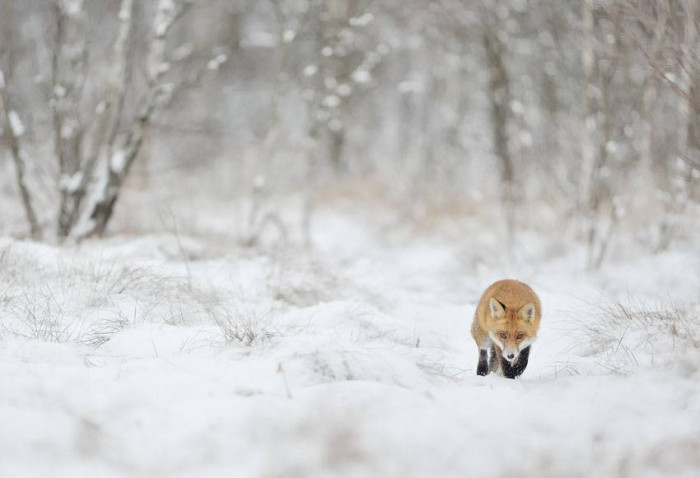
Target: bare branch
point(106, 122)
point(120, 161)
point(12, 132)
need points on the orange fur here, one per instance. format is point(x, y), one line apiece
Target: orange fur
point(507, 317)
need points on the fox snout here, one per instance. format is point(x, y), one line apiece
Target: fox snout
point(511, 355)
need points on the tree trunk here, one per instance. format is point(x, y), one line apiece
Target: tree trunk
point(314, 127)
point(649, 95)
point(588, 113)
point(68, 79)
point(500, 99)
point(12, 134)
point(598, 135)
point(339, 13)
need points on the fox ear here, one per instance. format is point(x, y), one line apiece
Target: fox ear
point(527, 312)
point(497, 310)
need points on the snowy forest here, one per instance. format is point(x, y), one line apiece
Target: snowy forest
point(248, 237)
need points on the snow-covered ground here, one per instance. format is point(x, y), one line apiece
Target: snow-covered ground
point(164, 356)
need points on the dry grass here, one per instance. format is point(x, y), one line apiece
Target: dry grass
point(619, 333)
point(102, 332)
point(88, 302)
point(40, 317)
point(243, 327)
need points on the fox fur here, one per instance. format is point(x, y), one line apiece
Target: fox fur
point(505, 325)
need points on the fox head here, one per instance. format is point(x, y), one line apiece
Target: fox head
point(512, 329)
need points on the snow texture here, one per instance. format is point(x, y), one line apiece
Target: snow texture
point(16, 124)
point(165, 356)
point(71, 183)
point(361, 76)
point(117, 162)
point(164, 17)
point(72, 8)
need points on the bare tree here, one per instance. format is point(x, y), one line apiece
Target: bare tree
point(500, 99)
point(650, 93)
point(600, 64)
point(687, 86)
point(13, 129)
point(122, 158)
point(90, 146)
point(592, 103)
point(68, 79)
point(666, 35)
point(101, 136)
point(344, 57)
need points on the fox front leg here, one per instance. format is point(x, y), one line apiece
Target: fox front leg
point(516, 369)
point(494, 359)
point(483, 367)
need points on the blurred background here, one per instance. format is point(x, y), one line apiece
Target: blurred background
point(238, 117)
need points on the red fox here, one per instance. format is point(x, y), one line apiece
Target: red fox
point(506, 321)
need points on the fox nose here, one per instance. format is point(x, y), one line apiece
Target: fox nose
point(510, 356)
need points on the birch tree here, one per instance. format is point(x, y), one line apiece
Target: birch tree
point(121, 159)
point(95, 152)
point(104, 129)
point(12, 130)
point(68, 79)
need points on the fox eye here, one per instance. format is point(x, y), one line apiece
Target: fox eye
point(503, 335)
point(519, 336)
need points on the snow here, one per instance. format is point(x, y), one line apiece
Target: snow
point(361, 21)
point(361, 76)
point(72, 8)
point(216, 62)
point(165, 15)
point(69, 128)
point(60, 91)
point(117, 162)
point(169, 355)
point(70, 182)
point(125, 11)
point(183, 51)
point(344, 90)
point(16, 123)
point(163, 67)
point(410, 86)
point(310, 70)
point(289, 36)
point(331, 101)
point(259, 39)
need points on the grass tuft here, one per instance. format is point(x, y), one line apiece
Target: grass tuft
point(243, 327)
point(620, 333)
